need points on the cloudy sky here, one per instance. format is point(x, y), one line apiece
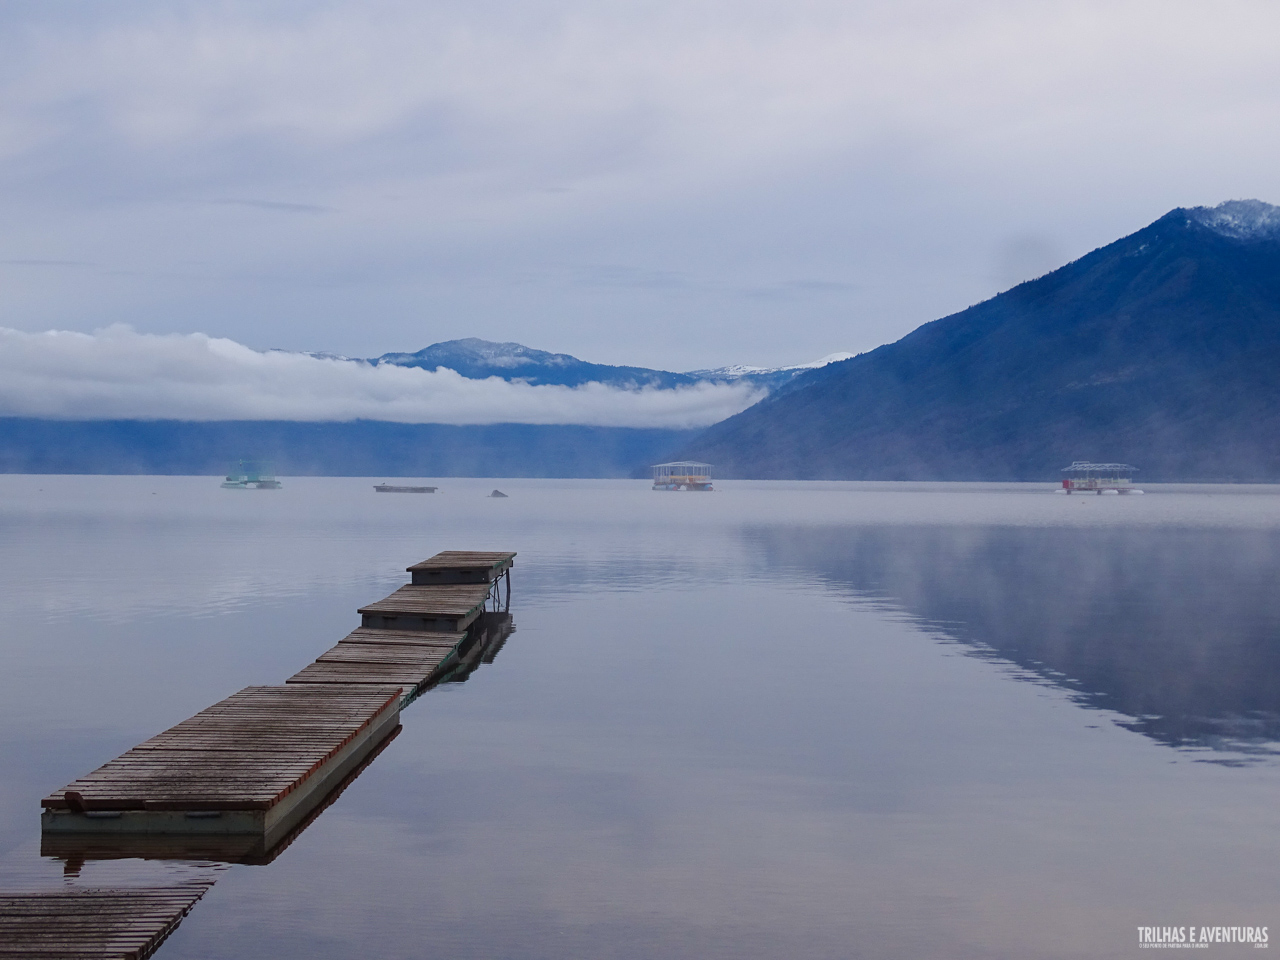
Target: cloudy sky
point(668, 184)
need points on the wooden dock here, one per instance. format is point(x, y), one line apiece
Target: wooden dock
point(76, 849)
point(239, 780)
point(254, 764)
point(461, 566)
point(404, 657)
point(424, 631)
point(85, 924)
point(434, 609)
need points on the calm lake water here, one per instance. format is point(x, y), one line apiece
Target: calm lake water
point(779, 720)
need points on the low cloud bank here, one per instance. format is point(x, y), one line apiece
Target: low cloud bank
point(120, 374)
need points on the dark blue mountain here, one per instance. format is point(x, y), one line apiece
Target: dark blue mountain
point(360, 448)
point(1161, 349)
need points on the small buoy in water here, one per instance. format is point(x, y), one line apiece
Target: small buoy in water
point(498, 493)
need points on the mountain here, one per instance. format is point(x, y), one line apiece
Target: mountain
point(360, 448)
point(478, 359)
point(377, 448)
point(769, 377)
point(1161, 349)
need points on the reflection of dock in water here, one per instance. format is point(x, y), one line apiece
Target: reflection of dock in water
point(488, 635)
point(240, 780)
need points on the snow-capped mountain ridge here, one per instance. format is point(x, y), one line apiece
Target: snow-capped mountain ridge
point(1239, 219)
point(478, 359)
point(733, 371)
point(474, 351)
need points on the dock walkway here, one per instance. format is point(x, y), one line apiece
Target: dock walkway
point(87, 924)
point(424, 630)
point(404, 657)
point(444, 609)
point(241, 778)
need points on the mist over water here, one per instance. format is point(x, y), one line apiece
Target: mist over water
point(781, 719)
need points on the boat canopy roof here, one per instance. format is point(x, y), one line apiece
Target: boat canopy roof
point(1084, 466)
point(681, 468)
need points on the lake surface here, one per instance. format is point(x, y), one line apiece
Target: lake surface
point(778, 720)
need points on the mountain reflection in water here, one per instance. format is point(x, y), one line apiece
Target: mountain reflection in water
point(1178, 630)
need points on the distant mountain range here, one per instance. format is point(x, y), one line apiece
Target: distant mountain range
point(1161, 350)
point(375, 448)
point(359, 448)
point(478, 359)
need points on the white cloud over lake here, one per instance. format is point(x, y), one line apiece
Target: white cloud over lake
point(118, 373)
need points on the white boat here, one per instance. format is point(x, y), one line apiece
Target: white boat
point(1085, 477)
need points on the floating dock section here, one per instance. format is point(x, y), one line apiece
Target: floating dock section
point(448, 609)
point(254, 764)
point(94, 924)
point(402, 657)
point(76, 849)
point(462, 566)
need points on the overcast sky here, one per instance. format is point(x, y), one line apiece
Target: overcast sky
point(668, 184)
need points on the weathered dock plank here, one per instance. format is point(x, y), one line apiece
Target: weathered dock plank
point(408, 675)
point(255, 763)
point(413, 638)
point(381, 652)
point(448, 609)
point(407, 658)
point(461, 566)
point(410, 666)
point(88, 924)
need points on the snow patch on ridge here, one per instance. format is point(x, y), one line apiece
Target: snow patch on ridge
point(742, 370)
point(1240, 219)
